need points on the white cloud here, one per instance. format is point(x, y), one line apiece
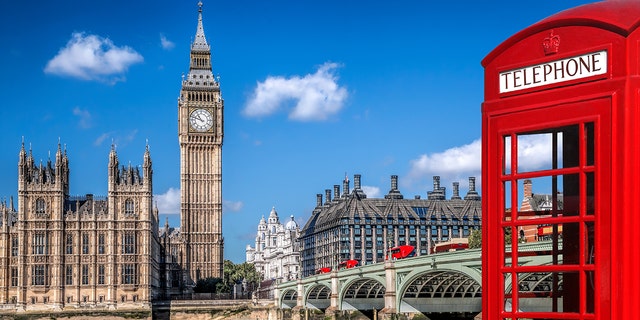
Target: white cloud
point(315, 97)
point(84, 117)
point(534, 152)
point(166, 44)
point(91, 57)
point(233, 206)
point(459, 163)
point(116, 138)
point(371, 192)
point(101, 139)
point(454, 164)
point(168, 202)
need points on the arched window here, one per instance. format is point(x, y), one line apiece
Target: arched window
point(69, 244)
point(40, 207)
point(129, 243)
point(128, 207)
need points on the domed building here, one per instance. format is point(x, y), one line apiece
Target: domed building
point(276, 254)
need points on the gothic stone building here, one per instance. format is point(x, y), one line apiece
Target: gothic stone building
point(352, 226)
point(61, 251)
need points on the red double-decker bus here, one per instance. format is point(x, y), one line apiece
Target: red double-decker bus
point(323, 270)
point(348, 264)
point(449, 246)
point(401, 252)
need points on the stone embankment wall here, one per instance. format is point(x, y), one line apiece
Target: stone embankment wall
point(169, 310)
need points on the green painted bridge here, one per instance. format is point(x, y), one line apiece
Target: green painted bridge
point(432, 284)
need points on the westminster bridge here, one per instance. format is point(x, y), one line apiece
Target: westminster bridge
point(440, 286)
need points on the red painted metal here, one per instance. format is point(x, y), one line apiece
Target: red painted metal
point(401, 252)
point(323, 270)
point(348, 264)
point(587, 127)
point(446, 247)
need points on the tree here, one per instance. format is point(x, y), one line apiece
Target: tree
point(236, 273)
point(475, 239)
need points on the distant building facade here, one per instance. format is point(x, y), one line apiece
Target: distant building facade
point(276, 254)
point(352, 226)
point(536, 205)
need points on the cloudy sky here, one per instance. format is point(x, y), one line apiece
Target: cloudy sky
point(314, 91)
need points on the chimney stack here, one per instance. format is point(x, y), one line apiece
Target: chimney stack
point(336, 192)
point(472, 194)
point(438, 192)
point(528, 190)
point(456, 191)
point(394, 193)
point(327, 193)
point(318, 200)
point(345, 186)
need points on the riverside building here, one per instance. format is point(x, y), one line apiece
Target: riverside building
point(350, 225)
point(276, 254)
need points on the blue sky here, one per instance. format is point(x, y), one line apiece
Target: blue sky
point(312, 89)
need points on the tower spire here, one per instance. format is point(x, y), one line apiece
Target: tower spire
point(200, 43)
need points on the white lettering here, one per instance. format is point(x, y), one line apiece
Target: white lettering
point(551, 72)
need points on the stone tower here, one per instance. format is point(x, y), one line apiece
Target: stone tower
point(200, 132)
point(42, 191)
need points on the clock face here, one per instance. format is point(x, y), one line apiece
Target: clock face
point(201, 120)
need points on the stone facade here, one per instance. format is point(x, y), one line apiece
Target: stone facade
point(352, 226)
point(60, 251)
point(200, 132)
point(276, 254)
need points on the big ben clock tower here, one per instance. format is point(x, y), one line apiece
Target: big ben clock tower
point(200, 132)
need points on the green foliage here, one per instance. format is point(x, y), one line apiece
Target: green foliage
point(507, 236)
point(222, 288)
point(235, 273)
point(475, 239)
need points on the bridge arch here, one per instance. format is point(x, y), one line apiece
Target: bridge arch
point(441, 290)
point(318, 296)
point(538, 290)
point(362, 293)
point(289, 298)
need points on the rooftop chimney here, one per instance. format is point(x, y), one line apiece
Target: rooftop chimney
point(528, 191)
point(356, 181)
point(357, 187)
point(394, 193)
point(318, 199)
point(336, 191)
point(472, 194)
point(327, 193)
point(438, 192)
point(345, 186)
point(456, 191)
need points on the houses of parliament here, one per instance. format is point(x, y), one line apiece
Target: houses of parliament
point(59, 251)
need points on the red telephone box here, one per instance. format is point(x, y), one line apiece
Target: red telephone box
point(560, 163)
